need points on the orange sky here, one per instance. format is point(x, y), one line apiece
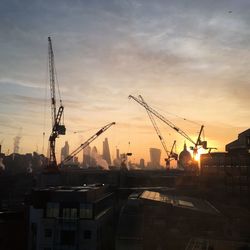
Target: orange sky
point(191, 61)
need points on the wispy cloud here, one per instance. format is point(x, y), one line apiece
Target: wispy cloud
point(186, 58)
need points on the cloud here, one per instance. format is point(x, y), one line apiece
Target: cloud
point(189, 59)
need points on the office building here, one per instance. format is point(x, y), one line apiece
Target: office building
point(106, 152)
point(94, 156)
point(155, 157)
point(65, 151)
point(86, 156)
point(71, 218)
point(142, 163)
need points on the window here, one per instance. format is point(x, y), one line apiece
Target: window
point(48, 233)
point(87, 234)
point(52, 210)
point(86, 211)
point(67, 237)
point(248, 140)
point(69, 213)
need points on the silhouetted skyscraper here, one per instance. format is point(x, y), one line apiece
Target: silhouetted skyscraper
point(117, 153)
point(94, 155)
point(106, 152)
point(155, 156)
point(65, 151)
point(142, 163)
point(86, 156)
point(16, 144)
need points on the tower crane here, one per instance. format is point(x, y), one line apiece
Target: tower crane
point(172, 125)
point(170, 155)
point(86, 143)
point(56, 116)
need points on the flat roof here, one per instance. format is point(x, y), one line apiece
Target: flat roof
point(179, 201)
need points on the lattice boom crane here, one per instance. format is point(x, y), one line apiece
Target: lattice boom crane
point(170, 124)
point(57, 127)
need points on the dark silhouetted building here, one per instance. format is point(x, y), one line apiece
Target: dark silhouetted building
point(233, 166)
point(106, 152)
point(142, 163)
point(87, 156)
point(241, 145)
point(155, 157)
point(185, 158)
point(71, 218)
point(65, 151)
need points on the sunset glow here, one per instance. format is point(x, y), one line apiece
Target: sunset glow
point(105, 52)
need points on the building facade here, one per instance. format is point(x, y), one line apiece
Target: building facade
point(233, 166)
point(71, 218)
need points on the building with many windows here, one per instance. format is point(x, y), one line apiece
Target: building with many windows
point(232, 167)
point(71, 218)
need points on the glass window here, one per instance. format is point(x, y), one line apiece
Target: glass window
point(69, 213)
point(248, 140)
point(86, 211)
point(52, 210)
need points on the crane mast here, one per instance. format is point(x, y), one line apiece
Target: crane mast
point(86, 143)
point(57, 127)
point(52, 81)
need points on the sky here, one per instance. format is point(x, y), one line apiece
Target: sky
point(188, 59)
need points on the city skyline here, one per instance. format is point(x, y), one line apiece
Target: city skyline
point(107, 51)
point(88, 155)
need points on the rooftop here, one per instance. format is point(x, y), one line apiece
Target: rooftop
point(183, 202)
point(85, 193)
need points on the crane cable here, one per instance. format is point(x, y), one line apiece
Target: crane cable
point(180, 117)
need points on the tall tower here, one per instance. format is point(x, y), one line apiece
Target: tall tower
point(65, 151)
point(106, 152)
point(94, 156)
point(117, 153)
point(86, 156)
point(155, 157)
point(16, 144)
point(142, 163)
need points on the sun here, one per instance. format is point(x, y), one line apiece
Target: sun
point(199, 152)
